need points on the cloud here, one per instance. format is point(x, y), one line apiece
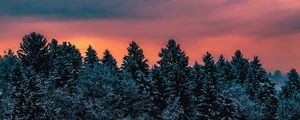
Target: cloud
point(268, 28)
point(72, 9)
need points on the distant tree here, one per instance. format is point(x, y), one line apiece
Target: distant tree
point(91, 56)
point(109, 60)
point(240, 65)
point(34, 52)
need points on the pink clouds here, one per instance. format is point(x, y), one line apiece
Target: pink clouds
point(267, 28)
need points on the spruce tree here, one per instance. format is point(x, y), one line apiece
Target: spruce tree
point(175, 73)
point(109, 61)
point(91, 56)
point(66, 65)
point(240, 65)
point(136, 65)
point(34, 52)
point(292, 85)
point(228, 110)
point(256, 76)
point(224, 70)
point(35, 91)
point(210, 99)
point(135, 62)
point(18, 97)
point(8, 66)
point(260, 88)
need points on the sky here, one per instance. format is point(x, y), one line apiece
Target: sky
point(269, 29)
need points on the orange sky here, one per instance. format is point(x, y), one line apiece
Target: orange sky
point(269, 29)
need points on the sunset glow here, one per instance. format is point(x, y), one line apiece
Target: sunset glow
point(269, 29)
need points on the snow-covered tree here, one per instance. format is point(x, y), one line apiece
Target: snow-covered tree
point(292, 85)
point(91, 56)
point(18, 111)
point(209, 101)
point(240, 65)
point(224, 70)
point(34, 91)
point(175, 74)
point(228, 109)
point(34, 53)
point(174, 110)
point(66, 65)
point(109, 61)
point(260, 88)
point(135, 62)
point(61, 98)
point(106, 97)
point(8, 65)
point(290, 97)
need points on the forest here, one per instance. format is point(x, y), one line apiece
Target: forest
point(45, 80)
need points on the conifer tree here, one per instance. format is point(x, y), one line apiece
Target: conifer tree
point(109, 61)
point(228, 110)
point(224, 70)
point(260, 88)
point(175, 73)
point(35, 91)
point(210, 100)
point(292, 85)
point(18, 97)
point(240, 65)
point(91, 56)
point(256, 76)
point(136, 65)
point(197, 75)
point(66, 65)
point(34, 52)
point(8, 66)
point(135, 62)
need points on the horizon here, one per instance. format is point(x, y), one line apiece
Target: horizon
point(268, 29)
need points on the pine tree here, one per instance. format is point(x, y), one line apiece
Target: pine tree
point(210, 99)
point(240, 65)
point(35, 91)
point(66, 65)
point(228, 110)
point(136, 65)
point(109, 60)
point(256, 76)
point(292, 85)
point(198, 76)
point(91, 56)
point(174, 110)
point(34, 52)
point(224, 70)
point(18, 98)
point(135, 61)
point(260, 88)
point(8, 66)
point(175, 73)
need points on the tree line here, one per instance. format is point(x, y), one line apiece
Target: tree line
point(46, 80)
